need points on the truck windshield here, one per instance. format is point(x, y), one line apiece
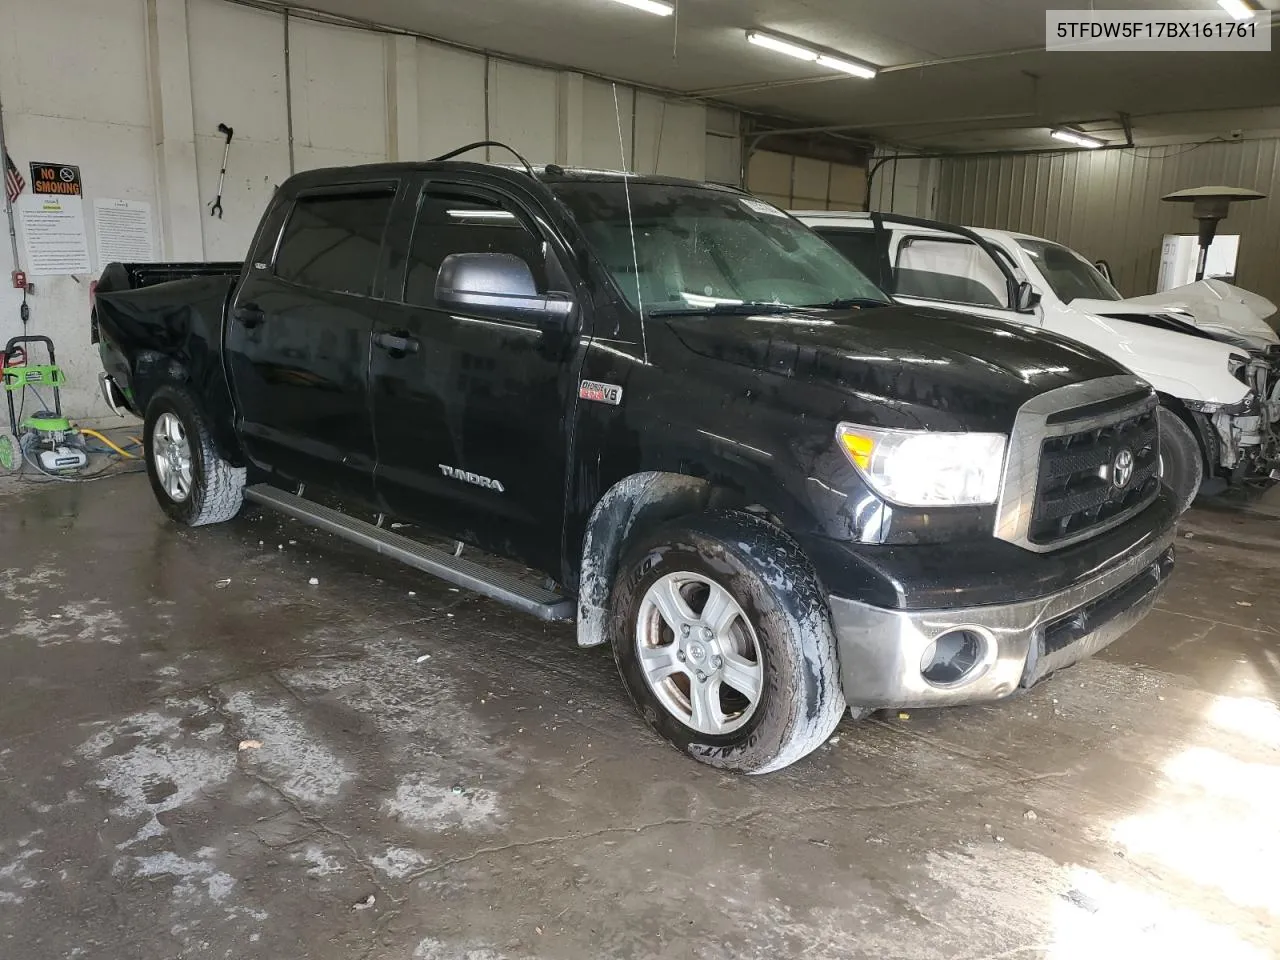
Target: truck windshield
point(1070, 275)
point(701, 250)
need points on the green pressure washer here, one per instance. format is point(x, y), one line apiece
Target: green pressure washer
point(46, 434)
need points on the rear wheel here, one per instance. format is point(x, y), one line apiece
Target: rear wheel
point(1181, 464)
point(192, 482)
point(723, 638)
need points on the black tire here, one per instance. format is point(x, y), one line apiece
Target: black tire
point(217, 488)
point(776, 590)
point(1182, 464)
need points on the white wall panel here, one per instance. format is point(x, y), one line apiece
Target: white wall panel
point(75, 59)
point(601, 149)
point(450, 99)
point(339, 88)
point(523, 111)
point(907, 187)
point(724, 159)
point(75, 96)
point(247, 92)
point(671, 137)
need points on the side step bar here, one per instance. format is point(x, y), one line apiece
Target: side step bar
point(527, 597)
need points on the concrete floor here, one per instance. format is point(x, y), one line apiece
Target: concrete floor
point(439, 778)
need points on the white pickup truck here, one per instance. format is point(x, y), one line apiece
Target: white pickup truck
point(1207, 347)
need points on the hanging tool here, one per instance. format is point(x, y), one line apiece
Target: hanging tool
point(215, 208)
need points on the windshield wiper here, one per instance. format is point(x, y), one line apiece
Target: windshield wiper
point(735, 309)
point(844, 303)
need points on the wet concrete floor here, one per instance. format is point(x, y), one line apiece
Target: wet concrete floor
point(440, 778)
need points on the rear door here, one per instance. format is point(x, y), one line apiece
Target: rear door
point(471, 406)
point(861, 247)
point(298, 339)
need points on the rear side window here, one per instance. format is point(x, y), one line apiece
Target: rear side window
point(860, 247)
point(451, 223)
point(334, 241)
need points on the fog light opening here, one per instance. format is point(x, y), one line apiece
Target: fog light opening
point(953, 658)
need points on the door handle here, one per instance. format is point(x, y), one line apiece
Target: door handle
point(250, 314)
point(396, 343)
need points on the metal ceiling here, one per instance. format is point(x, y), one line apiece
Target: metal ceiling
point(956, 74)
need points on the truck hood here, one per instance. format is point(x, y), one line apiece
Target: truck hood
point(939, 369)
point(1210, 307)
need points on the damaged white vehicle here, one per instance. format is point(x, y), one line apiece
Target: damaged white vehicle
point(1206, 347)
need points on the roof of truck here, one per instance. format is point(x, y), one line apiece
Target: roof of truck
point(544, 173)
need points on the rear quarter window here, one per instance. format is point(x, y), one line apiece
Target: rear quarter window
point(333, 241)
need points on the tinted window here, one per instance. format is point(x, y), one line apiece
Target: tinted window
point(1071, 275)
point(334, 241)
point(685, 248)
point(451, 223)
point(858, 246)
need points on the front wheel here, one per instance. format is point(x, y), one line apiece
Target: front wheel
point(723, 638)
point(1181, 464)
point(192, 482)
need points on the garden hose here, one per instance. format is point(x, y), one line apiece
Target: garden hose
point(98, 436)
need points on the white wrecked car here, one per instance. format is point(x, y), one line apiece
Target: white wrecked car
point(1207, 347)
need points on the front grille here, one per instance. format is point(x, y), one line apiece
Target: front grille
point(1079, 484)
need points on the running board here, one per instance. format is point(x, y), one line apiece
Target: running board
point(526, 597)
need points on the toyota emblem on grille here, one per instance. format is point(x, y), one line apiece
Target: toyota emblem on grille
point(1122, 468)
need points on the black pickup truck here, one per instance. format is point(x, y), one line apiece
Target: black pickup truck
point(775, 493)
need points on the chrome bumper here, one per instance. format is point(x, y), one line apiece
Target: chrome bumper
point(112, 395)
point(881, 650)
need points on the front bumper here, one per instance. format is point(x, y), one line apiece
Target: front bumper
point(881, 649)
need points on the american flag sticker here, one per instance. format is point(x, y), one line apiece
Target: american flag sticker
point(598, 392)
point(13, 182)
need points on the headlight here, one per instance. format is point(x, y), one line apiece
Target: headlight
point(918, 468)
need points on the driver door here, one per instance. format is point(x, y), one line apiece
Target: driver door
point(471, 404)
point(952, 273)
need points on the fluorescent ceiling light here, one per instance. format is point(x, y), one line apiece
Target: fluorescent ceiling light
point(781, 46)
point(854, 68)
point(1078, 138)
point(659, 8)
point(1239, 9)
point(851, 67)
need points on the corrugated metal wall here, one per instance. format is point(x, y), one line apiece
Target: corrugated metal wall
point(1106, 204)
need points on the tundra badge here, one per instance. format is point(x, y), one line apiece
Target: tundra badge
point(609, 393)
point(475, 478)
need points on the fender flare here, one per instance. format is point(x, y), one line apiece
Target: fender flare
point(1201, 429)
point(635, 502)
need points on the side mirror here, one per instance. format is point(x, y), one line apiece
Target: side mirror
point(1028, 298)
point(499, 284)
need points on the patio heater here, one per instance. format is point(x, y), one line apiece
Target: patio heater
point(1209, 205)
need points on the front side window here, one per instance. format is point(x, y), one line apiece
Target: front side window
point(334, 241)
point(676, 248)
point(461, 222)
point(1070, 275)
point(955, 271)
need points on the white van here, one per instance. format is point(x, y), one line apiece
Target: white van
point(1207, 347)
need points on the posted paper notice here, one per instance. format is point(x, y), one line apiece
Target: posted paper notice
point(53, 230)
point(124, 231)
